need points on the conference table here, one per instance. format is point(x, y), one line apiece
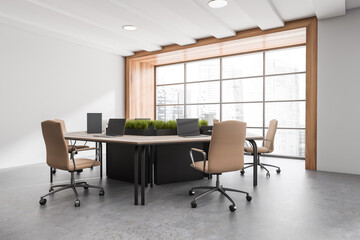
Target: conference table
point(141, 142)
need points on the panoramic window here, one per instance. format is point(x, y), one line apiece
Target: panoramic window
point(254, 88)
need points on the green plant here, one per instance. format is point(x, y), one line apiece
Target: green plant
point(142, 124)
point(159, 124)
point(129, 124)
point(152, 122)
point(170, 124)
point(203, 122)
point(137, 124)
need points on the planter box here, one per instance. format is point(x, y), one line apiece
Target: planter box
point(206, 130)
point(142, 132)
point(163, 132)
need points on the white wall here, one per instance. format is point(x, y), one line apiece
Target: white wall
point(339, 94)
point(43, 78)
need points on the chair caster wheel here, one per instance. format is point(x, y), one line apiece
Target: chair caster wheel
point(42, 201)
point(54, 171)
point(278, 170)
point(193, 204)
point(191, 193)
point(101, 192)
point(51, 189)
point(86, 187)
point(77, 203)
point(232, 208)
point(242, 172)
point(267, 175)
point(79, 171)
point(248, 198)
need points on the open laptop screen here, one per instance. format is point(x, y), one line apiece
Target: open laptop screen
point(116, 127)
point(188, 127)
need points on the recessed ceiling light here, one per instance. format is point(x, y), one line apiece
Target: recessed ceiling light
point(129, 27)
point(217, 3)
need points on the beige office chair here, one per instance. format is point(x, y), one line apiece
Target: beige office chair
point(57, 156)
point(267, 147)
point(226, 154)
point(71, 147)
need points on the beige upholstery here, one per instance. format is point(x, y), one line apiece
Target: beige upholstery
point(268, 145)
point(57, 151)
point(226, 152)
point(69, 146)
point(270, 135)
point(63, 127)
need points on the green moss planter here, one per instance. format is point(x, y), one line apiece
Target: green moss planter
point(164, 132)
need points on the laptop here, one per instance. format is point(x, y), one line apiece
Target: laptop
point(116, 127)
point(189, 127)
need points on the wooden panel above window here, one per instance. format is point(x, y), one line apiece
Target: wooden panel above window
point(244, 45)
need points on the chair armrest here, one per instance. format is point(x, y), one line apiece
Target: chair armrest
point(200, 151)
point(85, 149)
point(197, 150)
point(73, 148)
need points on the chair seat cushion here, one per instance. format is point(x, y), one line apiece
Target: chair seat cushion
point(82, 163)
point(259, 149)
point(70, 147)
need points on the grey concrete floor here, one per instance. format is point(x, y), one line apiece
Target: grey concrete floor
point(295, 204)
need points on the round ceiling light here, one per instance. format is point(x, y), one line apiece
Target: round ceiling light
point(129, 27)
point(217, 3)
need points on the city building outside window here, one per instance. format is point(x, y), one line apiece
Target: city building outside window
point(252, 87)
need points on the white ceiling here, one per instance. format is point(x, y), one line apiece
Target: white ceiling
point(98, 23)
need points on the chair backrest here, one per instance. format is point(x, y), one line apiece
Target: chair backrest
point(270, 135)
point(63, 127)
point(226, 152)
point(56, 148)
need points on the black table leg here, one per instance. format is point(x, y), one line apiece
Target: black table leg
point(152, 156)
point(142, 165)
point(96, 151)
point(254, 146)
point(51, 174)
point(100, 159)
point(136, 171)
point(147, 162)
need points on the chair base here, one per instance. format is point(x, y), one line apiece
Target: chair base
point(220, 189)
point(262, 165)
point(73, 185)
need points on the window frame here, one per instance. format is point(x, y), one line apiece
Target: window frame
point(221, 80)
